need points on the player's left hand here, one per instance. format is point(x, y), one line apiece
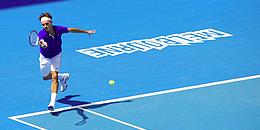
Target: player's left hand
point(43, 44)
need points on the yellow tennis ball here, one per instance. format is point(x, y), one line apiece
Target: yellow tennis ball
point(112, 82)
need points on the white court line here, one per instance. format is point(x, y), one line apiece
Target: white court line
point(113, 119)
point(134, 97)
point(29, 124)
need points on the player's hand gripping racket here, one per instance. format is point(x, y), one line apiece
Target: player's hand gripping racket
point(33, 38)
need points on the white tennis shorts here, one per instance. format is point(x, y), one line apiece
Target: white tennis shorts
point(47, 65)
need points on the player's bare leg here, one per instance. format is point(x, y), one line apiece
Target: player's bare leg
point(54, 89)
point(55, 82)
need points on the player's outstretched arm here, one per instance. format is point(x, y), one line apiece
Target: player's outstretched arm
point(75, 30)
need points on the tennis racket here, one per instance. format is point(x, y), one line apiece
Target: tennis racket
point(33, 38)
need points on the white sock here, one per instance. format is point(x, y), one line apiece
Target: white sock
point(53, 99)
point(60, 76)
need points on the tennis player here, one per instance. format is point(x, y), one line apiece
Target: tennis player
point(51, 52)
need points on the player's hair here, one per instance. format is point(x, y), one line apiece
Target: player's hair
point(45, 15)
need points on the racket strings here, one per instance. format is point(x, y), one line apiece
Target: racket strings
point(33, 38)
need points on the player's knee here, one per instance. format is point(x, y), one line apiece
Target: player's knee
point(54, 76)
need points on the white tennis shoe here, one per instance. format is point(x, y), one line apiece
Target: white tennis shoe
point(64, 82)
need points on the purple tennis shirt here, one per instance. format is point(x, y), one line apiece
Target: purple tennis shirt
point(54, 42)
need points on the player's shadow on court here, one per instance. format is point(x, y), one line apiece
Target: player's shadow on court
point(68, 100)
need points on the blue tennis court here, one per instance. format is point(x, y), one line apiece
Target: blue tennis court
point(181, 65)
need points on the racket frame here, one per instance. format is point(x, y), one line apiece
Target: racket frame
point(37, 40)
